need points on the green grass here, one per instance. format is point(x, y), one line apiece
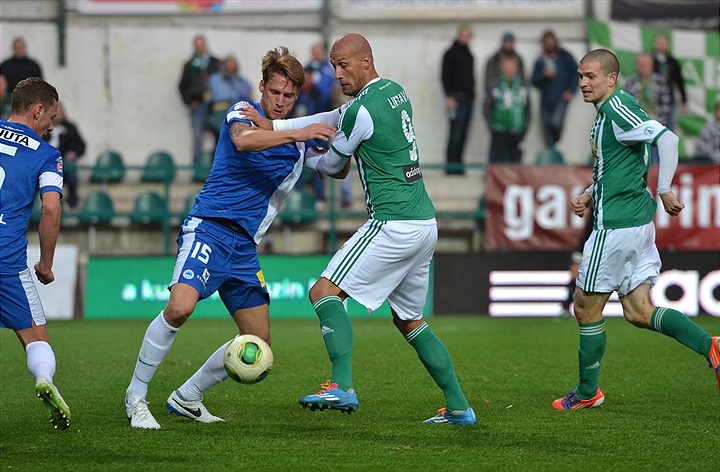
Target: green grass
point(662, 409)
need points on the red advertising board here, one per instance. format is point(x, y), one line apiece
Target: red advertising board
point(528, 208)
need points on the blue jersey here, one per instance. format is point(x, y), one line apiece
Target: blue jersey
point(248, 188)
point(27, 162)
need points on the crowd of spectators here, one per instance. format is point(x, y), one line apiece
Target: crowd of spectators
point(657, 83)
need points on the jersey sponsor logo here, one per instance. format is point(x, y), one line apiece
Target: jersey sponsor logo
point(412, 173)
point(18, 138)
point(59, 165)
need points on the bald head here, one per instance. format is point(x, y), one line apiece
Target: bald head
point(351, 56)
point(353, 44)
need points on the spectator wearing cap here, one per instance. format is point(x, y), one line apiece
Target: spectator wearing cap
point(507, 49)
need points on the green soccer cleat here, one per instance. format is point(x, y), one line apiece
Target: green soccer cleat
point(54, 404)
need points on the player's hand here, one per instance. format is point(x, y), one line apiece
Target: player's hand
point(671, 204)
point(581, 203)
point(316, 131)
point(45, 276)
point(250, 113)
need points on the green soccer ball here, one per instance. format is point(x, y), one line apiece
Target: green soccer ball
point(248, 359)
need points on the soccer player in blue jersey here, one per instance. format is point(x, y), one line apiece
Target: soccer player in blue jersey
point(253, 172)
point(29, 164)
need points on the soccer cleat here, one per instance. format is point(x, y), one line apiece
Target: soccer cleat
point(714, 357)
point(330, 396)
point(139, 414)
point(572, 402)
point(54, 403)
point(455, 417)
point(194, 410)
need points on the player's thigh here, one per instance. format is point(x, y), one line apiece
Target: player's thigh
point(254, 320)
point(374, 262)
point(203, 259)
point(245, 285)
point(409, 297)
point(613, 260)
point(20, 304)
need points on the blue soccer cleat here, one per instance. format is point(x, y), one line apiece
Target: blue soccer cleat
point(457, 418)
point(330, 396)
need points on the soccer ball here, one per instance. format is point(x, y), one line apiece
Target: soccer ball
point(248, 359)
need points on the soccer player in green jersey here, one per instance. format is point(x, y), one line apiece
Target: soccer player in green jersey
point(620, 255)
point(388, 258)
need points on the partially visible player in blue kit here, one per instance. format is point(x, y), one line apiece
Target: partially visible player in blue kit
point(253, 172)
point(28, 164)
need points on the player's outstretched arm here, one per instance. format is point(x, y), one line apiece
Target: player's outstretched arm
point(329, 118)
point(249, 139)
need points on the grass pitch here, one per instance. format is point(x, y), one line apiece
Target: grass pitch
point(662, 407)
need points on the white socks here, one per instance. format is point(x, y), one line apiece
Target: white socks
point(209, 375)
point(156, 344)
point(40, 359)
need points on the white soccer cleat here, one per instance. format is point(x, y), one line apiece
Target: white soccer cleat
point(139, 414)
point(194, 410)
point(54, 403)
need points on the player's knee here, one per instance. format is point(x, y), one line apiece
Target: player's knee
point(176, 315)
point(637, 315)
point(322, 288)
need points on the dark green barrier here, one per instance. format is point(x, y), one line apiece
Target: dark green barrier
point(137, 288)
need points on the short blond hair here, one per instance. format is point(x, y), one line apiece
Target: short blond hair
point(280, 61)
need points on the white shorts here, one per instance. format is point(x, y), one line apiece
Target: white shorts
point(619, 260)
point(387, 260)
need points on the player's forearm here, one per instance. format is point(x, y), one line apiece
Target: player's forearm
point(667, 145)
point(329, 163)
point(329, 118)
point(48, 230)
point(260, 140)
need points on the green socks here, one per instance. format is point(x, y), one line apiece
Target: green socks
point(436, 359)
point(590, 352)
point(337, 333)
point(678, 326)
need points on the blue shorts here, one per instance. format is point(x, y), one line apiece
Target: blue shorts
point(214, 258)
point(19, 301)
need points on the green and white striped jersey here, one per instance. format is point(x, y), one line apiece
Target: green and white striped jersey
point(376, 127)
point(620, 141)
